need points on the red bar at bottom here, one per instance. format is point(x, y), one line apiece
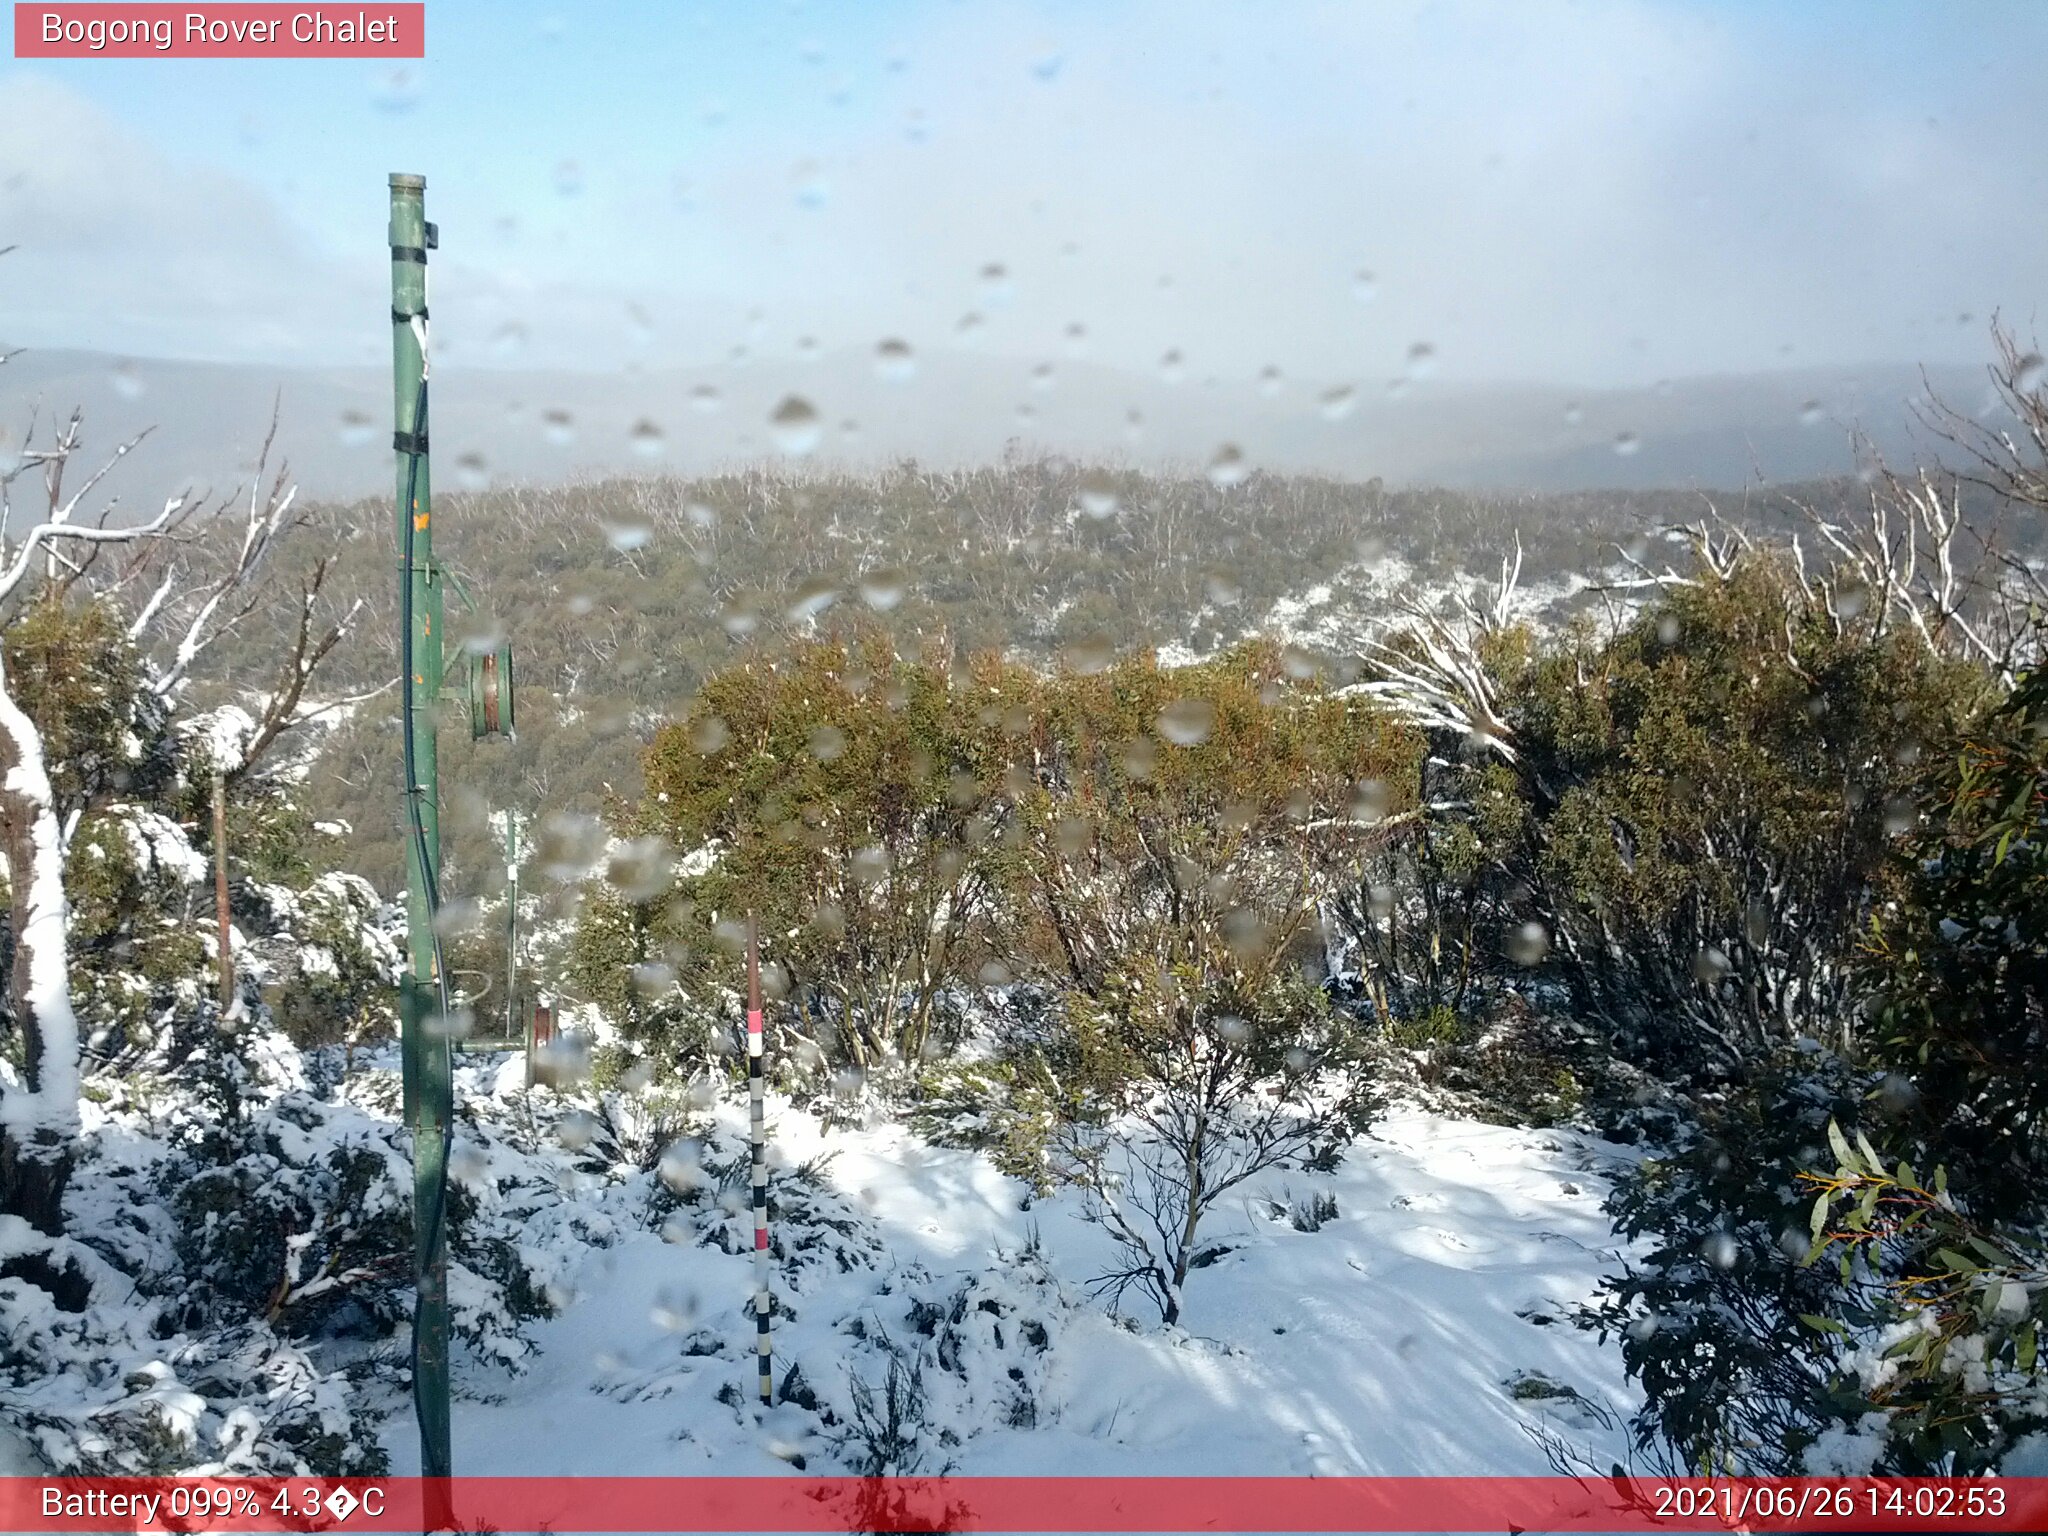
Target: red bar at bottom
point(565, 1505)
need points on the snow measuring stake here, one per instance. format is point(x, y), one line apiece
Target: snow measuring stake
point(764, 1299)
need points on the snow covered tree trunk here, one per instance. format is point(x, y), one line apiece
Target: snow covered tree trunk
point(38, 1118)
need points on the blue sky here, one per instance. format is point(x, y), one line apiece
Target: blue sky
point(1604, 192)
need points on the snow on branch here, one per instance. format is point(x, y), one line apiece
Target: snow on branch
point(268, 517)
point(1432, 673)
point(55, 530)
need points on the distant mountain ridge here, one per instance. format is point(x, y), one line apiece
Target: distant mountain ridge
point(505, 425)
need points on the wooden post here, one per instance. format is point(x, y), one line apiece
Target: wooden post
point(539, 1033)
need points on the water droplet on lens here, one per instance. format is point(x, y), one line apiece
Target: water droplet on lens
point(1528, 944)
point(1187, 722)
point(1364, 286)
point(127, 381)
point(570, 845)
point(1172, 366)
point(1047, 66)
point(568, 178)
point(1421, 360)
point(681, 1166)
point(508, 338)
point(705, 398)
point(1097, 494)
point(558, 427)
point(1336, 404)
point(710, 735)
point(994, 284)
point(356, 429)
point(895, 363)
point(2028, 372)
point(1270, 381)
point(1574, 413)
point(795, 425)
point(457, 917)
point(882, 590)
point(397, 91)
point(647, 439)
point(1227, 466)
point(472, 471)
point(808, 177)
point(628, 535)
point(1370, 799)
point(827, 742)
point(812, 599)
point(1092, 653)
point(1627, 444)
point(1810, 413)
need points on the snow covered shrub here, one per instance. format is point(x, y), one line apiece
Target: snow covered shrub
point(1421, 932)
point(327, 959)
point(1209, 1092)
point(117, 1390)
point(1959, 967)
point(1937, 1332)
point(1008, 1092)
point(307, 1225)
point(1312, 1212)
point(1009, 1109)
point(851, 798)
point(1709, 1319)
point(140, 1373)
point(1512, 1066)
point(633, 1127)
point(937, 1360)
point(890, 1427)
point(1712, 795)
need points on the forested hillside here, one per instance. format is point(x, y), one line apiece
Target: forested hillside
point(1184, 860)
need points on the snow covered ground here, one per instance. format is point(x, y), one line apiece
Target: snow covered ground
point(1423, 1329)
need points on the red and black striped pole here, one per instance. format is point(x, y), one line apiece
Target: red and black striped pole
point(764, 1302)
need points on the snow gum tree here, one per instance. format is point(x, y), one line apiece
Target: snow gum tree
point(101, 625)
point(1182, 835)
point(848, 796)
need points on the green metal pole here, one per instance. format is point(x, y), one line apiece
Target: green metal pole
point(429, 1078)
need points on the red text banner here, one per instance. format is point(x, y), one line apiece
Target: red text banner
point(221, 31)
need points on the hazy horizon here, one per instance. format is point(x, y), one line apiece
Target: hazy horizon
point(1605, 194)
point(1404, 239)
